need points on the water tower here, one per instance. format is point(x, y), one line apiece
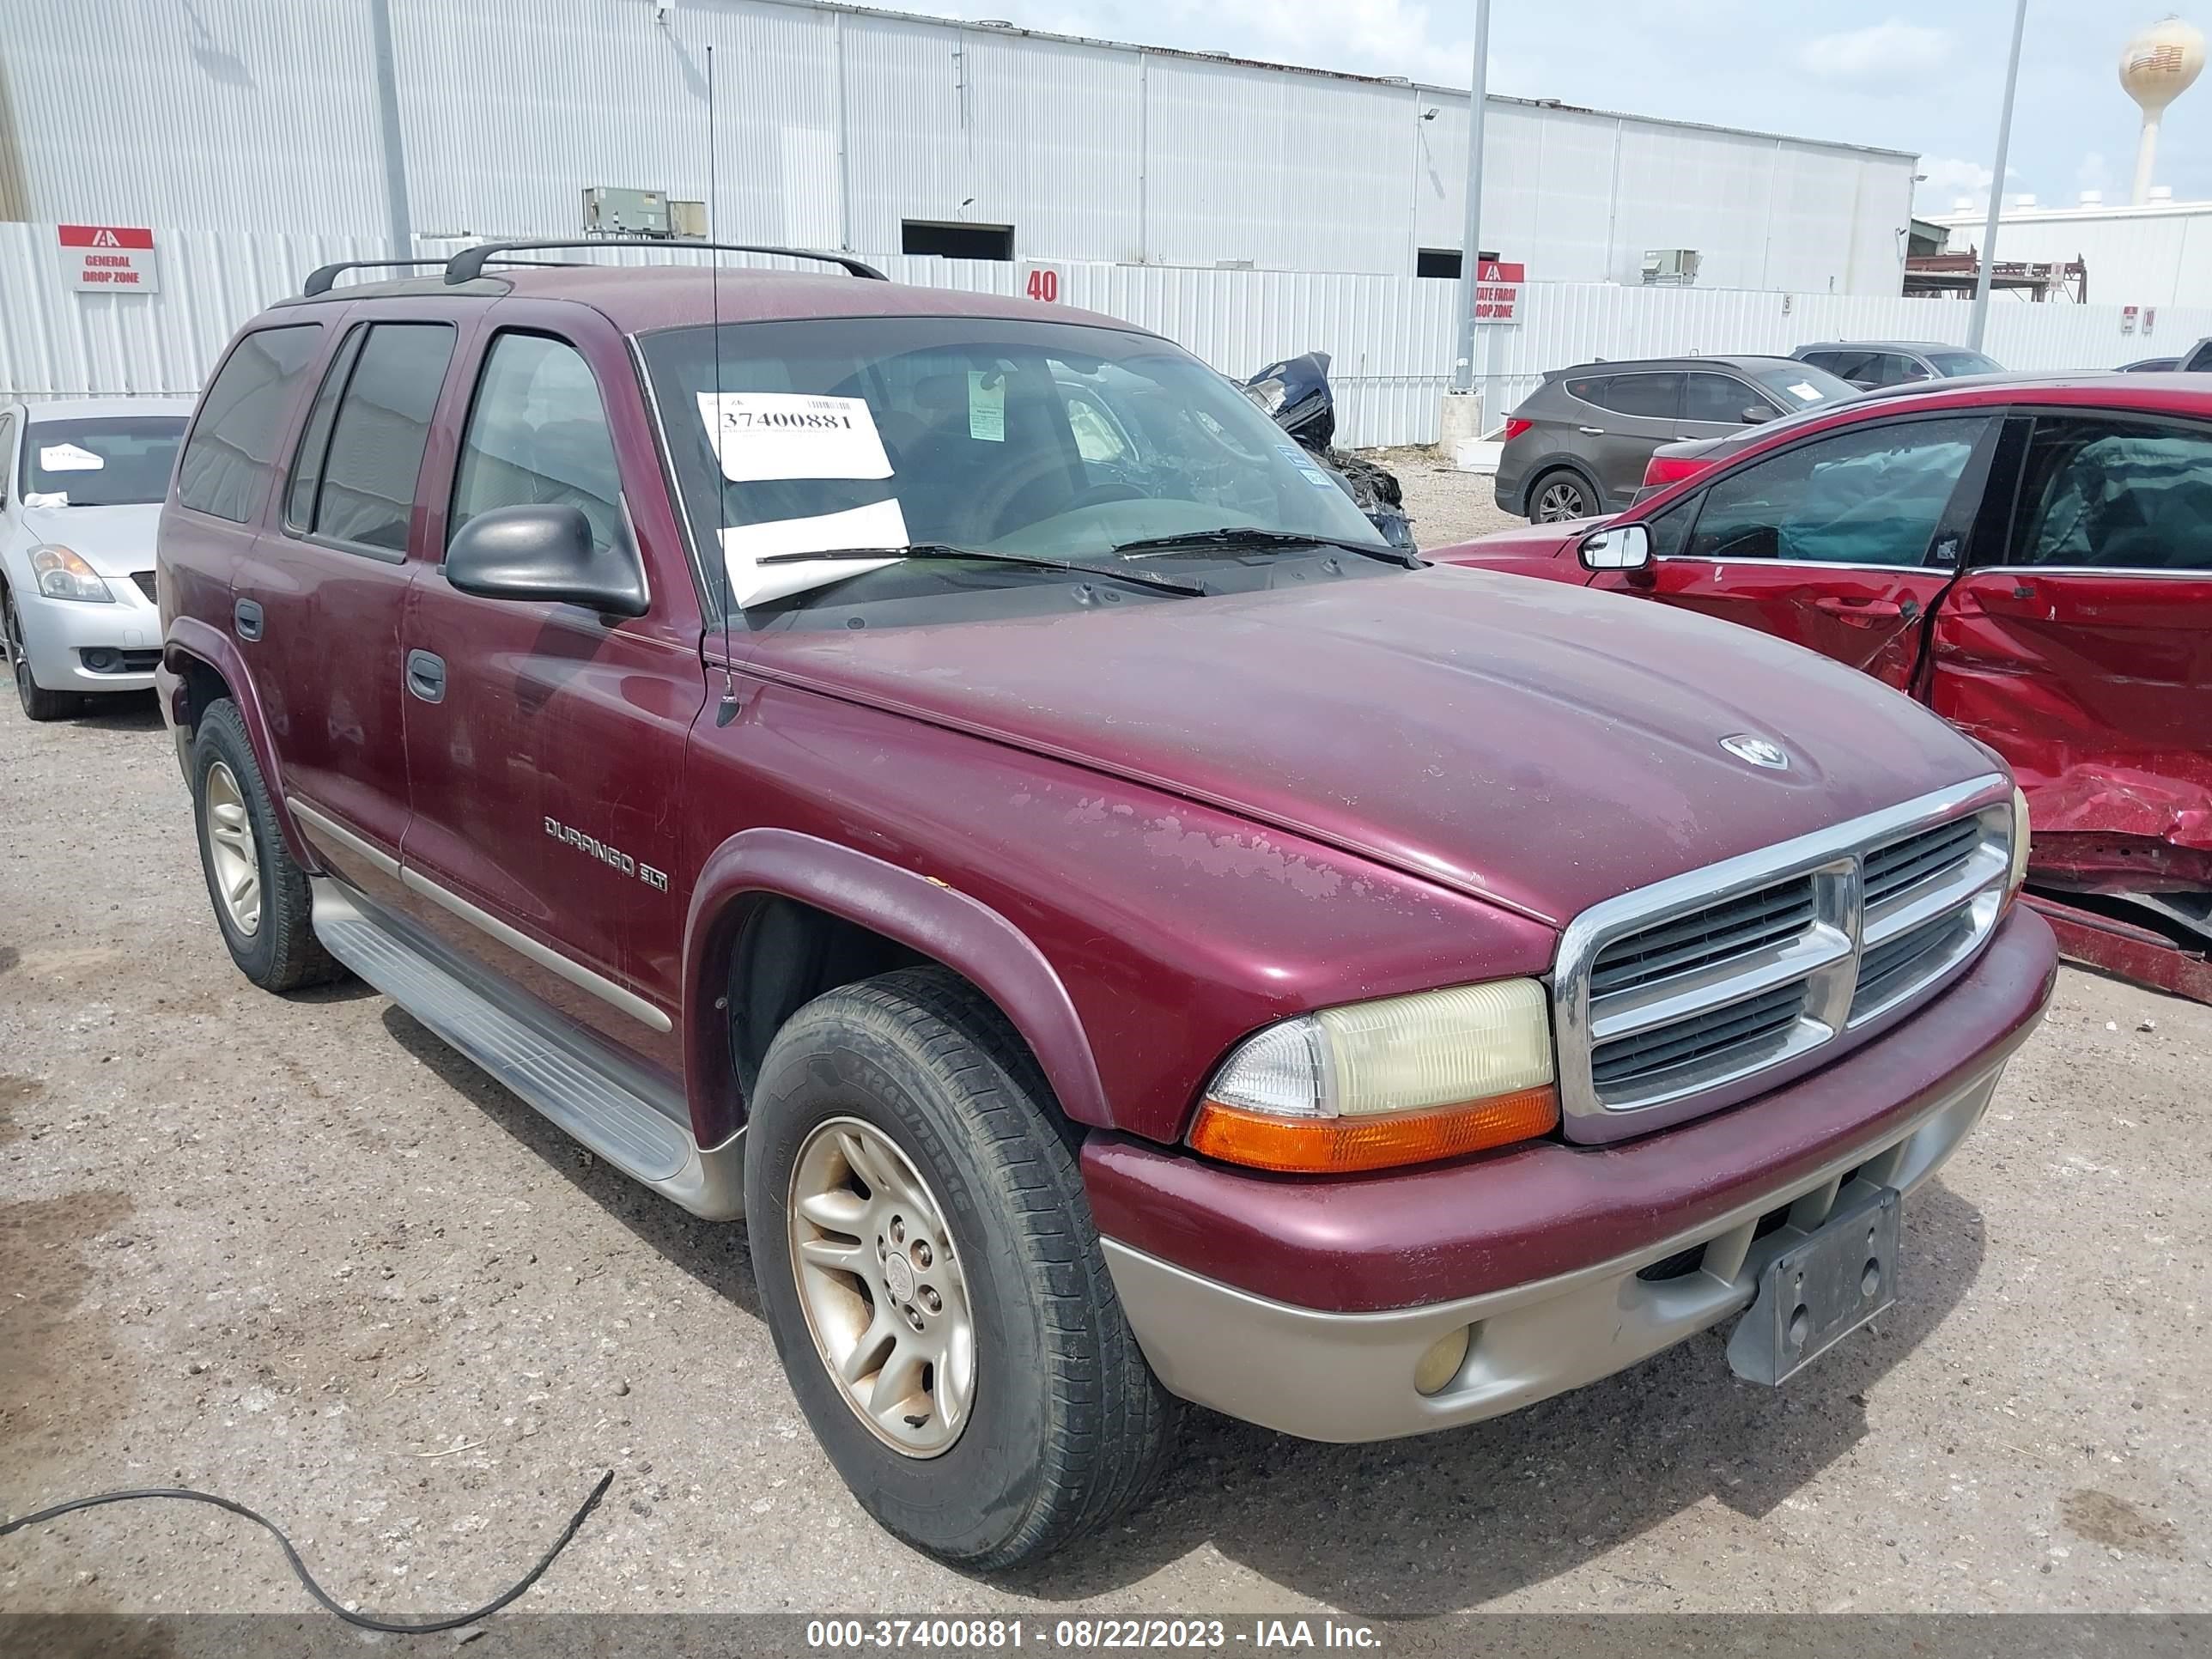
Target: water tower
point(2156, 68)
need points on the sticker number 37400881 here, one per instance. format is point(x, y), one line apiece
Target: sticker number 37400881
point(761, 436)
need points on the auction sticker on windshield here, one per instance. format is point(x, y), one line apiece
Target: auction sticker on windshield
point(762, 435)
point(68, 458)
point(879, 524)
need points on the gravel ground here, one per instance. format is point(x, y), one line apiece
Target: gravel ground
point(299, 1253)
point(1447, 505)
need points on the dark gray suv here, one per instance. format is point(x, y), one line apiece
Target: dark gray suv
point(1578, 446)
point(1869, 364)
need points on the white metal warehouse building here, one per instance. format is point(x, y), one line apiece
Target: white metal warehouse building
point(842, 128)
point(2159, 254)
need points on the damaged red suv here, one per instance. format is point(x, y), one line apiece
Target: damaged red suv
point(2032, 558)
point(944, 780)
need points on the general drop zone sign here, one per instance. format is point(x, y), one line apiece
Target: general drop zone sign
point(110, 259)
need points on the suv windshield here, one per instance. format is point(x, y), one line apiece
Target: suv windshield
point(1800, 385)
point(1054, 441)
point(110, 461)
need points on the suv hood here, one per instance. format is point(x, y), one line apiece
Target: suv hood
point(113, 540)
point(1539, 744)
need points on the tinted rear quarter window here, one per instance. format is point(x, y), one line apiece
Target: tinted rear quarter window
point(365, 494)
point(231, 451)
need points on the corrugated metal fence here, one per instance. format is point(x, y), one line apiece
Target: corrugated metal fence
point(1390, 337)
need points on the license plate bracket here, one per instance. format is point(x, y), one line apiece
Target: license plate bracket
point(1820, 1286)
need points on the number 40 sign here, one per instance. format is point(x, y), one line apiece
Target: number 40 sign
point(1042, 283)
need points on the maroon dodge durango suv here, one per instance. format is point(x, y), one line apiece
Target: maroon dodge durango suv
point(942, 778)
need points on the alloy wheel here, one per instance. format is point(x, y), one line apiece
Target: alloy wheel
point(232, 853)
point(880, 1279)
point(1560, 501)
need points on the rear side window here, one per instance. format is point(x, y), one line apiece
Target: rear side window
point(362, 452)
point(537, 436)
point(1649, 397)
point(231, 451)
point(2115, 495)
point(1895, 368)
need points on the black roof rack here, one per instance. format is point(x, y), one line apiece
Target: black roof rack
point(468, 264)
point(323, 278)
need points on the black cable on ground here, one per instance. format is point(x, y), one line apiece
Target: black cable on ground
point(366, 1621)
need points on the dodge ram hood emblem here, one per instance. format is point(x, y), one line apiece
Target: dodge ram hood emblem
point(1758, 750)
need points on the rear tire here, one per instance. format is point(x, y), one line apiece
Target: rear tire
point(1055, 1423)
point(259, 891)
point(38, 703)
point(1560, 495)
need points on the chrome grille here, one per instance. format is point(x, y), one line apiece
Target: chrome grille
point(1705, 990)
point(1766, 917)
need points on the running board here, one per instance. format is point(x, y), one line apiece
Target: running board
point(593, 1096)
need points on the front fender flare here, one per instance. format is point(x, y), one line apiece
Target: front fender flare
point(919, 912)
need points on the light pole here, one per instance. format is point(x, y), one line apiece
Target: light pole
point(1981, 317)
point(1463, 379)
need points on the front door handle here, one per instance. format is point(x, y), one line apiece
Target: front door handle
point(246, 617)
point(1593, 431)
point(1863, 613)
point(426, 676)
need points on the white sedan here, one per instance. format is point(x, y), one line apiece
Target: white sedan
point(81, 490)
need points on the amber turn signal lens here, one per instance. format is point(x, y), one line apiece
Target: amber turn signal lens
point(1341, 1145)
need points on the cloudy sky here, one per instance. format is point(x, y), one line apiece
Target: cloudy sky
point(1928, 75)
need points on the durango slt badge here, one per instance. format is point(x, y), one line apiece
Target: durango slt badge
point(1758, 750)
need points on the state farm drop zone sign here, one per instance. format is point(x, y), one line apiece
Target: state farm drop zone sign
point(109, 259)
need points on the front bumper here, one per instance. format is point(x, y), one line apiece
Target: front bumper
point(1540, 1249)
point(58, 632)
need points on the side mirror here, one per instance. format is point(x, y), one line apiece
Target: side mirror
point(1624, 547)
point(545, 554)
point(1757, 415)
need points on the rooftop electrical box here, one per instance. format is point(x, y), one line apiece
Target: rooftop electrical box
point(611, 212)
point(1670, 267)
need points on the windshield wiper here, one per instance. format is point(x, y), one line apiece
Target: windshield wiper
point(946, 550)
point(1251, 536)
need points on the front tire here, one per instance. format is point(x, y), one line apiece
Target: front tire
point(909, 1194)
point(259, 891)
point(1557, 496)
point(38, 702)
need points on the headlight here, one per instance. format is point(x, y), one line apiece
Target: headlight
point(1371, 1084)
point(63, 576)
point(2018, 873)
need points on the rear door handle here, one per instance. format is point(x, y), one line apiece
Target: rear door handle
point(426, 676)
point(246, 617)
point(1593, 431)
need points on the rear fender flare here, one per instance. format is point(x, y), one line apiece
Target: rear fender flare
point(918, 911)
point(192, 640)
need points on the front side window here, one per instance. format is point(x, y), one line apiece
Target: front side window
point(538, 436)
point(1895, 368)
point(1873, 494)
point(362, 491)
point(1719, 398)
point(2115, 495)
point(1046, 440)
point(231, 453)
